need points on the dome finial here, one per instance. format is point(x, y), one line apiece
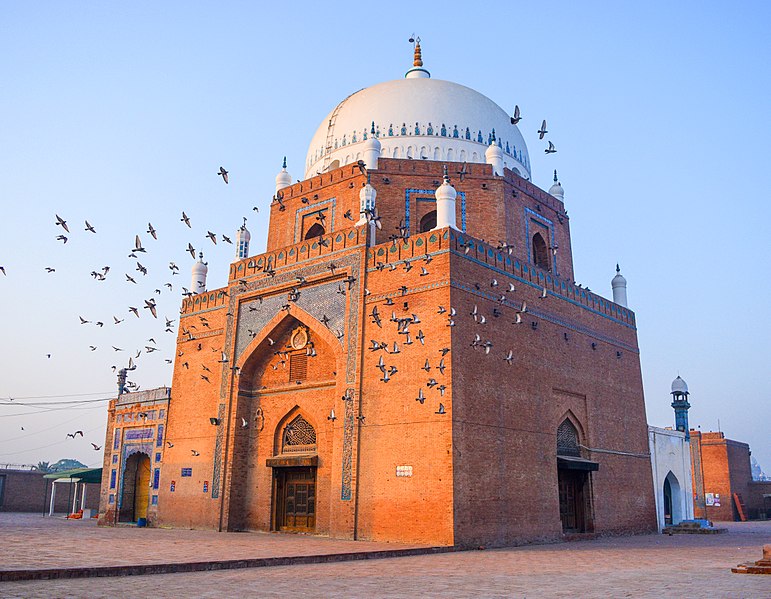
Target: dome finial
point(283, 164)
point(618, 270)
point(446, 176)
point(555, 175)
point(418, 57)
point(372, 130)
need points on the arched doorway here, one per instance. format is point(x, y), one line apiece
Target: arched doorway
point(294, 475)
point(672, 500)
point(135, 495)
point(540, 252)
point(574, 481)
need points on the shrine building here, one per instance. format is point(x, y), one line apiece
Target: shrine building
point(411, 359)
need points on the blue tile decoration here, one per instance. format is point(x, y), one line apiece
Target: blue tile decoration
point(348, 433)
point(113, 478)
point(154, 500)
point(158, 457)
point(116, 439)
point(186, 472)
point(111, 499)
point(330, 203)
point(156, 477)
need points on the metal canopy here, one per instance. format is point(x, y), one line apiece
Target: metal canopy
point(84, 475)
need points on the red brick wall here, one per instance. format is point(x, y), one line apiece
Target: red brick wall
point(26, 491)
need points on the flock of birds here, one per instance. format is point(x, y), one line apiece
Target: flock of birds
point(517, 116)
point(134, 276)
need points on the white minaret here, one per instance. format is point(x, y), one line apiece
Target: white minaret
point(445, 204)
point(242, 241)
point(283, 179)
point(367, 197)
point(556, 189)
point(619, 288)
point(494, 156)
point(372, 149)
point(198, 282)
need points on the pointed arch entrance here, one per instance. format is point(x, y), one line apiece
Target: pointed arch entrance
point(294, 476)
point(135, 496)
point(574, 481)
point(672, 500)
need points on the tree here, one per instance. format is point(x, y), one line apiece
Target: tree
point(43, 467)
point(66, 464)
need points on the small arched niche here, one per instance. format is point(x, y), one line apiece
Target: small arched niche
point(428, 222)
point(540, 251)
point(316, 230)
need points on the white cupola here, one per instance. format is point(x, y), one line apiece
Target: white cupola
point(367, 197)
point(242, 241)
point(283, 179)
point(556, 189)
point(198, 281)
point(494, 156)
point(619, 288)
point(445, 204)
point(372, 149)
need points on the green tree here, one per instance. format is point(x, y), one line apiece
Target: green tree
point(66, 464)
point(43, 467)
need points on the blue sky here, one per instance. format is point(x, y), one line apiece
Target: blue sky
point(121, 114)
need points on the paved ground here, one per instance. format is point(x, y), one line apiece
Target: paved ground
point(642, 566)
point(31, 541)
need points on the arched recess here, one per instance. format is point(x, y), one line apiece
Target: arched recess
point(437, 153)
point(673, 500)
point(288, 370)
point(135, 487)
point(540, 251)
point(396, 153)
point(573, 478)
point(316, 230)
point(428, 221)
point(450, 155)
point(295, 433)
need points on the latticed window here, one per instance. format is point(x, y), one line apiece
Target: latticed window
point(298, 367)
point(299, 437)
point(567, 439)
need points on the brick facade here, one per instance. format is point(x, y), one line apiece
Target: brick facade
point(28, 491)
point(298, 337)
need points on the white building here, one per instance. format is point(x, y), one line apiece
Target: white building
point(672, 483)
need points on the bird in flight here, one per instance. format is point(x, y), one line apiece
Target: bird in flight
point(152, 231)
point(75, 433)
point(542, 131)
point(90, 228)
point(49, 269)
point(138, 245)
point(551, 149)
point(62, 223)
point(226, 239)
point(61, 238)
point(185, 219)
point(441, 409)
point(191, 249)
point(212, 236)
point(194, 452)
point(2, 268)
point(224, 174)
point(516, 116)
point(96, 447)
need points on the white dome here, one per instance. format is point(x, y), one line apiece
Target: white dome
point(679, 385)
point(439, 110)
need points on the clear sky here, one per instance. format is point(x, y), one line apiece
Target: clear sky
point(121, 114)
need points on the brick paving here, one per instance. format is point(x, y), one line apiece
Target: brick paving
point(640, 566)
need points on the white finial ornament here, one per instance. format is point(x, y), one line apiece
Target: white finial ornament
point(619, 288)
point(198, 280)
point(445, 203)
point(556, 189)
point(372, 149)
point(494, 156)
point(367, 197)
point(242, 241)
point(283, 179)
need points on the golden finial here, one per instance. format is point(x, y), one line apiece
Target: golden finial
point(418, 60)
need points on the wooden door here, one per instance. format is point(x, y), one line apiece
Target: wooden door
point(296, 499)
point(142, 488)
point(572, 502)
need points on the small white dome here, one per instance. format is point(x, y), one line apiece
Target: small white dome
point(200, 266)
point(679, 386)
point(556, 189)
point(446, 191)
point(283, 179)
point(618, 280)
point(493, 151)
